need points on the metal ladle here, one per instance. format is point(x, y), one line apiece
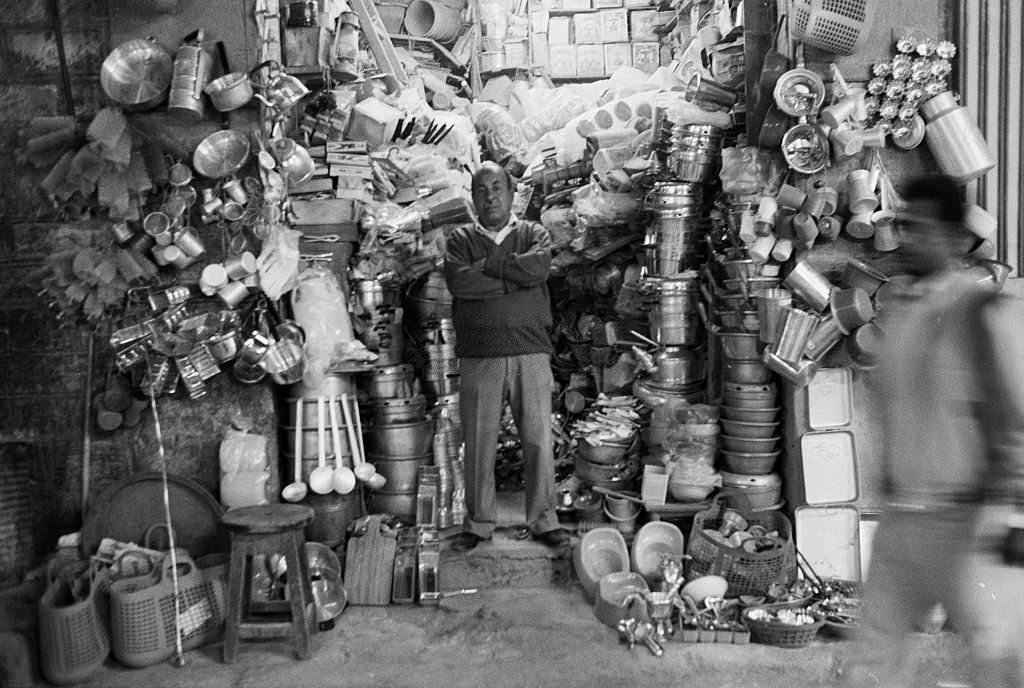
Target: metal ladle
point(296, 491)
point(343, 479)
point(321, 480)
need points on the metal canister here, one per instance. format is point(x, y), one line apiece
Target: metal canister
point(191, 73)
point(954, 139)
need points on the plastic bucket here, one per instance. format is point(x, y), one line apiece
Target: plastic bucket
point(624, 524)
point(429, 19)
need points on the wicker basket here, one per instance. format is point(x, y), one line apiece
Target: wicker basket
point(142, 612)
point(73, 637)
point(748, 573)
point(781, 634)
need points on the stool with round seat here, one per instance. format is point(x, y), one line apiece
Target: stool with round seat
point(268, 529)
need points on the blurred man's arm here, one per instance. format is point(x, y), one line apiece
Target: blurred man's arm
point(466, 277)
point(526, 269)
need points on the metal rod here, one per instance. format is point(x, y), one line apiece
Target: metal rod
point(87, 426)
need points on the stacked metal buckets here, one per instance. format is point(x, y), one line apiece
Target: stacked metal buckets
point(676, 240)
point(695, 152)
point(441, 372)
point(381, 316)
point(398, 438)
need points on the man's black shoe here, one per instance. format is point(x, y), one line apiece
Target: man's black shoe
point(559, 537)
point(465, 541)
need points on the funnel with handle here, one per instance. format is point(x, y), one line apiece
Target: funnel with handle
point(296, 491)
point(321, 480)
point(343, 479)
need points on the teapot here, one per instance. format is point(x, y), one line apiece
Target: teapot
point(282, 90)
point(294, 160)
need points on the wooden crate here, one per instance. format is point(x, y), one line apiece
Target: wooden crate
point(369, 564)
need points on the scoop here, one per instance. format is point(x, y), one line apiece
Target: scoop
point(343, 479)
point(363, 469)
point(322, 477)
point(296, 491)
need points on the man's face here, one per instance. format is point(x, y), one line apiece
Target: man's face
point(492, 199)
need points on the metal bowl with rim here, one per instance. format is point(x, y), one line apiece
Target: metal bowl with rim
point(137, 74)
point(221, 153)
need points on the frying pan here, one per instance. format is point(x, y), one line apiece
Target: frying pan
point(137, 74)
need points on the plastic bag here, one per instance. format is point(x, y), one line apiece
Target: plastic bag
point(597, 207)
point(501, 135)
point(278, 262)
point(242, 451)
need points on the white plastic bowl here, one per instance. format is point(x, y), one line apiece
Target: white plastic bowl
point(600, 551)
point(654, 540)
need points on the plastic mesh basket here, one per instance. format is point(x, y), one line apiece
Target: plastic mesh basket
point(142, 612)
point(73, 636)
point(838, 26)
point(748, 573)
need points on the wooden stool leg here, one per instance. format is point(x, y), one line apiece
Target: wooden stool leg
point(238, 575)
point(300, 594)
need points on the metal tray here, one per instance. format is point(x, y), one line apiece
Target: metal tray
point(829, 467)
point(127, 509)
point(829, 539)
point(830, 398)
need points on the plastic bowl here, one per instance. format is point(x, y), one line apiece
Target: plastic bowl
point(749, 463)
point(703, 587)
point(654, 540)
point(600, 551)
point(689, 492)
point(739, 428)
point(758, 445)
point(748, 415)
point(612, 590)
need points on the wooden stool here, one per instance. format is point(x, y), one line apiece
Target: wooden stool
point(268, 529)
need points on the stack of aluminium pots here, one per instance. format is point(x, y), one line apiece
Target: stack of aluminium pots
point(398, 438)
point(310, 432)
point(441, 372)
point(695, 152)
point(380, 315)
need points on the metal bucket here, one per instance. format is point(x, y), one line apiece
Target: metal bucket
point(310, 440)
point(436, 385)
point(401, 505)
point(402, 472)
point(393, 382)
point(332, 513)
point(400, 439)
point(675, 317)
point(406, 410)
point(191, 74)
point(373, 294)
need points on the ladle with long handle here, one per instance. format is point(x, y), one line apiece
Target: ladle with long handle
point(321, 480)
point(344, 480)
point(351, 414)
point(369, 470)
point(296, 491)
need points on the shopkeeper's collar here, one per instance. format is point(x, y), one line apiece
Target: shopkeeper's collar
point(499, 236)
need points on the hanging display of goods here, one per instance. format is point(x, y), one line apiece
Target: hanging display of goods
point(805, 148)
point(799, 92)
point(954, 139)
point(137, 74)
point(230, 91)
point(192, 67)
point(221, 153)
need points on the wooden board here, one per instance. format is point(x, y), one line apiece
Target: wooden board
point(369, 565)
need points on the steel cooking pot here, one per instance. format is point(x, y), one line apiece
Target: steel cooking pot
point(229, 92)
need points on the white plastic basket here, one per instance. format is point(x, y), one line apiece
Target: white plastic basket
point(838, 26)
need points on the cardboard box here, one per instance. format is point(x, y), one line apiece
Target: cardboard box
point(589, 60)
point(576, 5)
point(614, 26)
point(559, 31)
point(641, 25)
point(539, 50)
point(562, 60)
point(646, 57)
point(586, 28)
point(606, 3)
point(617, 55)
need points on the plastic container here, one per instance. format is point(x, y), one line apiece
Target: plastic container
point(837, 27)
point(73, 637)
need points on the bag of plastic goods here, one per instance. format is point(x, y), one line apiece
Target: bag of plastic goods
point(500, 132)
point(320, 307)
point(242, 451)
point(741, 170)
point(278, 262)
point(597, 207)
point(244, 488)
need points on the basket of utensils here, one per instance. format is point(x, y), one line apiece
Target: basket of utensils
point(786, 627)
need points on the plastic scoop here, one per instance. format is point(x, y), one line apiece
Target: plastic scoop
point(364, 471)
point(296, 491)
point(343, 479)
point(321, 480)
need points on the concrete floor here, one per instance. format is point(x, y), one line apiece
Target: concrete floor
point(529, 625)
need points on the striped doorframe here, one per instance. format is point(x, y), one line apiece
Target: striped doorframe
point(990, 78)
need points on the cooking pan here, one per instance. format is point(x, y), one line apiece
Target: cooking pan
point(137, 74)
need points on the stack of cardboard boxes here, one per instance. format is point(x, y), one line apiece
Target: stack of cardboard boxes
point(592, 38)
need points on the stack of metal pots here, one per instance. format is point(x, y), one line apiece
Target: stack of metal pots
point(332, 512)
point(381, 315)
point(441, 373)
point(676, 240)
point(429, 300)
point(695, 152)
point(398, 438)
point(750, 439)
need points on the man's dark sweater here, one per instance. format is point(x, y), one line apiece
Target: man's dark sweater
point(500, 296)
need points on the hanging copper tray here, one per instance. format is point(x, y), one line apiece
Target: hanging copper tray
point(126, 511)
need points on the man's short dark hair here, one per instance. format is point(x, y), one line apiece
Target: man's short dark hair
point(490, 167)
point(940, 190)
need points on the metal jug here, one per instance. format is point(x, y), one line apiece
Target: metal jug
point(282, 90)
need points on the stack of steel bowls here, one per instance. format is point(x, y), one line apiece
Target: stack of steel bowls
point(677, 239)
point(695, 152)
point(750, 438)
